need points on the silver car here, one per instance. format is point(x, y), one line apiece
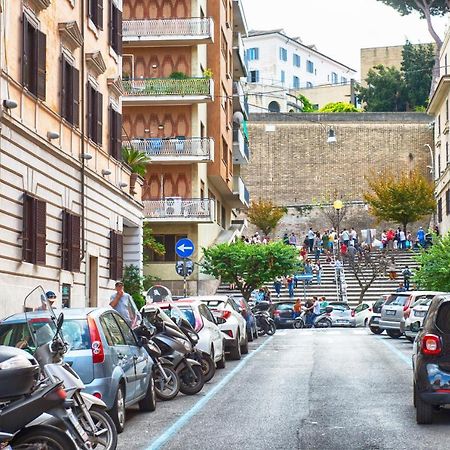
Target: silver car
point(342, 315)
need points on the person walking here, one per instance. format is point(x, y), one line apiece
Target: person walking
point(286, 239)
point(400, 288)
point(317, 247)
point(308, 271)
point(311, 235)
point(317, 269)
point(392, 269)
point(277, 284)
point(407, 274)
point(421, 236)
point(124, 304)
point(402, 239)
point(345, 237)
point(297, 307)
point(290, 284)
point(292, 239)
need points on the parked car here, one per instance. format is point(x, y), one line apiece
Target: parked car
point(341, 315)
point(363, 313)
point(283, 313)
point(201, 319)
point(394, 307)
point(431, 360)
point(374, 321)
point(103, 351)
point(247, 314)
point(231, 323)
point(415, 314)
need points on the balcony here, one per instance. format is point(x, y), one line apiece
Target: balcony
point(240, 102)
point(177, 150)
point(239, 57)
point(241, 196)
point(163, 91)
point(177, 209)
point(158, 32)
point(240, 146)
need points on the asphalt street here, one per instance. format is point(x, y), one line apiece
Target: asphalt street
point(301, 389)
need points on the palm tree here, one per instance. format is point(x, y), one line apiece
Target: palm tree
point(137, 161)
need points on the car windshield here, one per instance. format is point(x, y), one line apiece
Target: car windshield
point(443, 318)
point(76, 334)
point(215, 303)
point(189, 315)
point(18, 334)
point(339, 306)
point(284, 306)
point(397, 300)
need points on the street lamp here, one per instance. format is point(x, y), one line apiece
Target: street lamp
point(338, 205)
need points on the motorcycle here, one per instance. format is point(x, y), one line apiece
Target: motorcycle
point(321, 321)
point(264, 322)
point(93, 424)
point(176, 348)
point(23, 399)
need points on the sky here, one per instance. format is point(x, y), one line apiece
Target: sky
point(340, 28)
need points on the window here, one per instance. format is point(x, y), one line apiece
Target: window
point(439, 125)
point(309, 84)
point(223, 44)
point(445, 63)
point(253, 76)
point(296, 60)
point(70, 92)
point(283, 77)
point(126, 331)
point(224, 218)
point(309, 66)
point(447, 202)
point(115, 255)
point(70, 245)
point(446, 111)
point(439, 210)
point(168, 241)
point(283, 54)
point(443, 318)
point(33, 59)
point(95, 114)
point(253, 54)
point(111, 330)
point(439, 166)
point(115, 28)
point(115, 134)
point(334, 78)
point(296, 82)
point(34, 229)
point(343, 80)
point(224, 151)
point(96, 12)
point(274, 107)
point(446, 153)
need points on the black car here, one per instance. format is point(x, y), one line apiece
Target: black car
point(374, 322)
point(431, 360)
point(283, 313)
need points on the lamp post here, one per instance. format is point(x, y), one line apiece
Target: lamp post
point(337, 205)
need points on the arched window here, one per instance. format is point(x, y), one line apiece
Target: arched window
point(274, 107)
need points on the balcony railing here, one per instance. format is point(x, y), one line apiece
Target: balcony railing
point(239, 49)
point(156, 87)
point(240, 101)
point(168, 29)
point(179, 209)
point(241, 192)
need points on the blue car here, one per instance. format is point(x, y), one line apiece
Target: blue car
point(103, 351)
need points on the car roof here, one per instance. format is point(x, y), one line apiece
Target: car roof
point(217, 298)
point(69, 313)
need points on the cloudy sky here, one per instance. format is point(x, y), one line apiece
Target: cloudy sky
point(339, 28)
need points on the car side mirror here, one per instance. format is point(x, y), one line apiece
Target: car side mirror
point(220, 320)
point(142, 341)
point(415, 327)
point(329, 309)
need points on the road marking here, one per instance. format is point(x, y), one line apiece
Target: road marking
point(197, 407)
point(401, 355)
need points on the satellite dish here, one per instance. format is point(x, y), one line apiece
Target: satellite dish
point(238, 117)
point(158, 294)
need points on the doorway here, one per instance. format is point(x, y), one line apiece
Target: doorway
point(93, 282)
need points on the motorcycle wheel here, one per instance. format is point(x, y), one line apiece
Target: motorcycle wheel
point(272, 329)
point(299, 324)
point(105, 437)
point(208, 367)
point(323, 323)
point(43, 436)
point(166, 390)
point(189, 384)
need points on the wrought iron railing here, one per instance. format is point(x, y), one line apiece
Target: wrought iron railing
point(179, 208)
point(196, 26)
point(174, 147)
point(168, 86)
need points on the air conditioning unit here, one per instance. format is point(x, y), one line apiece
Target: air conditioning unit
point(173, 206)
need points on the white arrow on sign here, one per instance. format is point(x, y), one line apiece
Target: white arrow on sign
point(183, 247)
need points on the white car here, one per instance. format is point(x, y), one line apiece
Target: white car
point(416, 314)
point(363, 313)
point(211, 340)
point(231, 322)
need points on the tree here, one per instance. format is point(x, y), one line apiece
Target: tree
point(249, 266)
point(434, 265)
point(307, 106)
point(400, 197)
point(385, 90)
point(417, 70)
point(332, 216)
point(150, 243)
point(338, 107)
point(265, 215)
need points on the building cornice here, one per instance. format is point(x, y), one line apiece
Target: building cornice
point(96, 63)
point(115, 86)
point(440, 94)
point(38, 5)
point(70, 34)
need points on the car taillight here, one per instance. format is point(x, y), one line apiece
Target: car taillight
point(276, 312)
point(407, 313)
point(229, 332)
point(431, 345)
point(353, 313)
point(226, 314)
point(98, 395)
point(98, 353)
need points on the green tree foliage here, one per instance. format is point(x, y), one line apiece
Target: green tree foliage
point(417, 68)
point(249, 266)
point(400, 197)
point(265, 215)
point(338, 107)
point(434, 266)
point(385, 90)
point(136, 159)
point(150, 243)
point(307, 105)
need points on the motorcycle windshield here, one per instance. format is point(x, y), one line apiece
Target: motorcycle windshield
point(40, 318)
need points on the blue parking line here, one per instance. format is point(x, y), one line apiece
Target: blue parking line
point(402, 356)
point(197, 407)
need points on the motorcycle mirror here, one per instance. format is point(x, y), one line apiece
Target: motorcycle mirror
point(220, 320)
point(59, 323)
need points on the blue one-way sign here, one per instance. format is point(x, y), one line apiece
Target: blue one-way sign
point(184, 248)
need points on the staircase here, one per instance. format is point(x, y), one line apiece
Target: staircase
point(382, 285)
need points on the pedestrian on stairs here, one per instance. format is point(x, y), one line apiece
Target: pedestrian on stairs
point(290, 283)
point(286, 239)
point(392, 269)
point(311, 236)
point(317, 247)
point(402, 239)
point(317, 269)
point(292, 239)
point(407, 274)
point(277, 285)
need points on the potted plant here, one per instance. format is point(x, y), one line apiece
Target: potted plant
point(137, 161)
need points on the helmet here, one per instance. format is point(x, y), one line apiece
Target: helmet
point(50, 295)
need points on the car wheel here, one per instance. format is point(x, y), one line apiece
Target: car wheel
point(366, 322)
point(148, 403)
point(244, 346)
point(376, 330)
point(235, 352)
point(394, 334)
point(250, 336)
point(117, 412)
point(414, 395)
point(298, 324)
point(255, 332)
point(221, 363)
point(424, 411)
point(208, 366)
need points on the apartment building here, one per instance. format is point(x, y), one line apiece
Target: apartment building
point(280, 66)
point(439, 109)
point(178, 103)
point(68, 220)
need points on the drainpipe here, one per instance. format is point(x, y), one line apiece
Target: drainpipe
point(82, 130)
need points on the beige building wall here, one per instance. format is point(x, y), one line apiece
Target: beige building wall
point(321, 95)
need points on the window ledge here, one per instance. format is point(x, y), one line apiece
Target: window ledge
point(92, 27)
point(39, 5)
point(113, 55)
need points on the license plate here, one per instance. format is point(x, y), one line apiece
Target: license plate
point(390, 312)
point(419, 313)
point(341, 321)
point(376, 320)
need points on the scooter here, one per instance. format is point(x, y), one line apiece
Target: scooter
point(321, 321)
point(264, 322)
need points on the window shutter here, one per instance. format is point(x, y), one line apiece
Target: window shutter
point(113, 256)
point(63, 87)
point(76, 97)
point(99, 14)
point(111, 23)
point(118, 31)
point(41, 72)
point(118, 136)
point(25, 53)
point(27, 250)
point(112, 127)
point(119, 256)
point(65, 241)
point(40, 232)
point(90, 111)
point(99, 118)
point(74, 246)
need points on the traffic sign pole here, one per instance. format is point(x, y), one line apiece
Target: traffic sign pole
point(184, 278)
